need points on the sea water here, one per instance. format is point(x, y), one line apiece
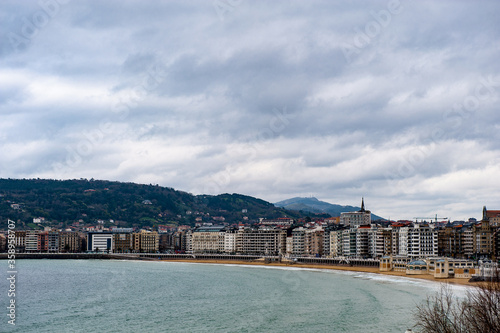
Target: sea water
point(144, 296)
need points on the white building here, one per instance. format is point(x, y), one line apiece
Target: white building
point(326, 243)
point(362, 242)
point(100, 241)
point(355, 219)
point(417, 241)
point(298, 239)
point(349, 242)
point(383, 242)
point(403, 241)
point(208, 239)
point(336, 244)
point(422, 241)
point(265, 240)
point(289, 245)
point(230, 240)
point(31, 241)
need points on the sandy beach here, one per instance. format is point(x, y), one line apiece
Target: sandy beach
point(375, 270)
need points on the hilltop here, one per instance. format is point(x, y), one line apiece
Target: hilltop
point(63, 202)
point(316, 206)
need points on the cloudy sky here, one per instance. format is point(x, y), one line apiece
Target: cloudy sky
point(396, 102)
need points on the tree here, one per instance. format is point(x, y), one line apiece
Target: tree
point(478, 312)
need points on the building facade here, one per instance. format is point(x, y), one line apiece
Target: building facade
point(356, 219)
point(208, 239)
point(100, 241)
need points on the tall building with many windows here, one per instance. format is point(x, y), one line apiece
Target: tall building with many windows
point(53, 241)
point(313, 242)
point(208, 239)
point(298, 241)
point(145, 241)
point(69, 241)
point(422, 241)
point(265, 240)
point(483, 237)
point(100, 241)
point(123, 242)
point(31, 242)
point(383, 242)
point(43, 241)
point(336, 243)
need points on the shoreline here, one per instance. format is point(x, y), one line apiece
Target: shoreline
point(236, 261)
point(361, 269)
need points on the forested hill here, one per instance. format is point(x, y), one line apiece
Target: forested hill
point(63, 202)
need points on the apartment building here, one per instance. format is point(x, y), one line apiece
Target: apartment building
point(403, 240)
point(69, 241)
point(289, 245)
point(31, 242)
point(355, 219)
point(349, 242)
point(496, 244)
point(336, 243)
point(493, 217)
point(266, 241)
point(230, 240)
point(43, 241)
point(467, 237)
point(326, 242)
point(298, 239)
point(383, 242)
point(145, 241)
point(208, 239)
point(313, 241)
point(422, 241)
point(483, 239)
point(20, 240)
point(166, 241)
point(53, 241)
point(183, 241)
point(363, 234)
point(123, 242)
point(395, 240)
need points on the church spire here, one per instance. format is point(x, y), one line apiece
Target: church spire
point(362, 204)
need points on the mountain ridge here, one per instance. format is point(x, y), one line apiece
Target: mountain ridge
point(313, 205)
point(64, 202)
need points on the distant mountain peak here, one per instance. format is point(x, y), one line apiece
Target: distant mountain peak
point(313, 205)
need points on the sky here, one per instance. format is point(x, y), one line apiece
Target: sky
point(393, 101)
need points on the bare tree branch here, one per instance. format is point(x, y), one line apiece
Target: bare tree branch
point(479, 312)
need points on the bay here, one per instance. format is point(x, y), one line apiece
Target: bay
point(141, 296)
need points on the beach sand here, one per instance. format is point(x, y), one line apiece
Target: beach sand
point(428, 277)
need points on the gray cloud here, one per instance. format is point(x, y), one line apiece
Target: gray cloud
point(259, 98)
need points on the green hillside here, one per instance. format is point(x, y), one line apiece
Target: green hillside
point(63, 202)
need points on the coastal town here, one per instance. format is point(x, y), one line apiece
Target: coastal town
point(444, 249)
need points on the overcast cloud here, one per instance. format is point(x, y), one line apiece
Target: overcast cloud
point(396, 102)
